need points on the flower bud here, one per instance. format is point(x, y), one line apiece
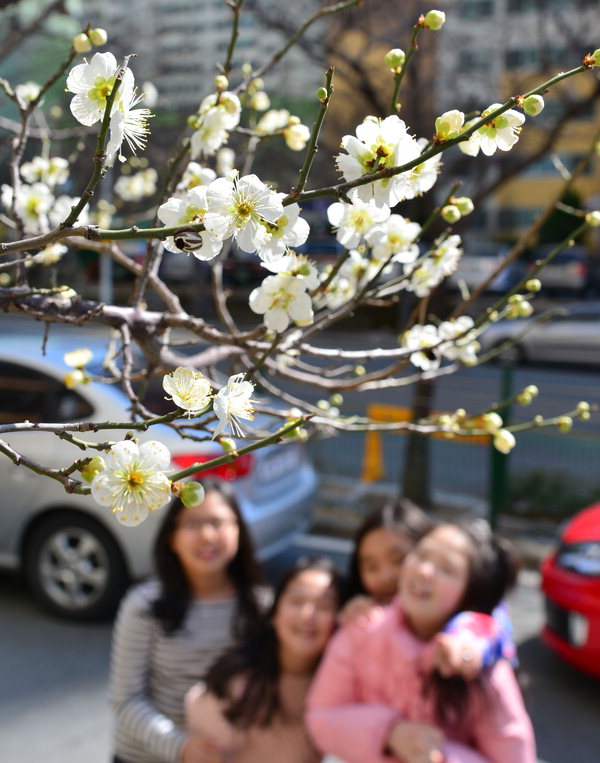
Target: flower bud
point(323, 405)
point(593, 219)
point(504, 441)
point(434, 20)
point(394, 59)
point(464, 204)
point(565, 423)
point(524, 397)
point(81, 43)
point(73, 378)
point(450, 213)
point(322, 94)
point(78, 358)
point(98, 36)
point(533, 105)
point(260, 101)
point(221, 82)
point(227, 444)
point(533, 285)
point(191, 494)
point(359, 370)
point(492, 422)
point(449, 125)
point(336, 399)
point(94, 466)
point(525, 309)
point(537, 420)
point(595, 56)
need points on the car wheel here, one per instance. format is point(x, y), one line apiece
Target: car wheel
point(74, 567)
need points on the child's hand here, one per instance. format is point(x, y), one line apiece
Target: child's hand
point(457, 655)
point(357, 608)
point(200, 749)
point(415, 742)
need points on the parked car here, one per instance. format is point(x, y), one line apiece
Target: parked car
point(571, 585)
point(76, 557)
point(570, 335)
point(567, 273)
point(479, 261)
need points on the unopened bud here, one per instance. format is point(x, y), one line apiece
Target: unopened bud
point(322, 94)
point(92, 468)
point(81, 43)
point(595, 56)
point(227, 444)
point(533, 285)
point(336, 399)
point(593, 219)
point(492, 422)
point(565, 423)
point(504, 441)
point(73, 378)
point(221, 82)
point(191, 494)
point(464, 204)
point(360, 370)
point(533, 105)
point(434, 20)
point(323, 405)
point(98, 36)
point(394, 59)
point(450, 213)
point(538, 420)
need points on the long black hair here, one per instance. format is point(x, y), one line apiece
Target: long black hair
point(171, 606)
point(402, 516)
point(257, 659)
point(492, 573)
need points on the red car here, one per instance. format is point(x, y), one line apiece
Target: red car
point(571, 585)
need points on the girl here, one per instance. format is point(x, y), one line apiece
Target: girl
point(169, 631)
point(253, 708)
point(381, 543)
point(387, 702)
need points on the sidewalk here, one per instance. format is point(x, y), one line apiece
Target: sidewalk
point(342, 502)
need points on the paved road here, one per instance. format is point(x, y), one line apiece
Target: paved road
point(53, 704)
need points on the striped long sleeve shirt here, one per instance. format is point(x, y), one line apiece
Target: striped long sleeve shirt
point(151, 672)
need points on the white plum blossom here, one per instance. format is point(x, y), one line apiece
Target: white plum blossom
point(195, 174)
point(232, 404)
point(428, 271)
point(449, 125)
point(288, 231)
point(354, 221)
point(188, 389)
point(240, 207)
point(459, 340)
point(298, 265)
point(274, 121)
point(127, 124)
point(27, 91)
point(52, 172)
point(33, 203)
point(78, 358)
point(92, 82)
point(192, 208)
point(50, 255)
point(379, 144)
point(133, 482)
point(393, 240)
point(225, 161)
point(340, 291)
point(281, 299)
point(137, 186)
point(218, 113)
point(423, 177)
point(502, 132)
point(419, 339)
point(504, 441)
point(296, 136)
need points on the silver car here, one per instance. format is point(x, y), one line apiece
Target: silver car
point(77, 558)
point(571, 334)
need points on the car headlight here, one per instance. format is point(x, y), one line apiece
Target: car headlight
point(583, 558)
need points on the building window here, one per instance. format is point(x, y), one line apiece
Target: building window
point(474, 59)
point(516, 218)
point(476, 9)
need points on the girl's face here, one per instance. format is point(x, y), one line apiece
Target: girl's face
point(380, 556)
point(434, 578)
point(304, 618)
point(206, 537)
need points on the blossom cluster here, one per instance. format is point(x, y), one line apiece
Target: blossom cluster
point(454, 340)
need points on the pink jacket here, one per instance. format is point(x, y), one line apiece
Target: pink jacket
point(372, 676)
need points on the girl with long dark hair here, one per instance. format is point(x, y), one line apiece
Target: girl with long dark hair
point(169, 631)
point(253, 706)
point(375, 695)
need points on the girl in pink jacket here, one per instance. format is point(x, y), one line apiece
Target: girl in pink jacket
point(376, 697)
